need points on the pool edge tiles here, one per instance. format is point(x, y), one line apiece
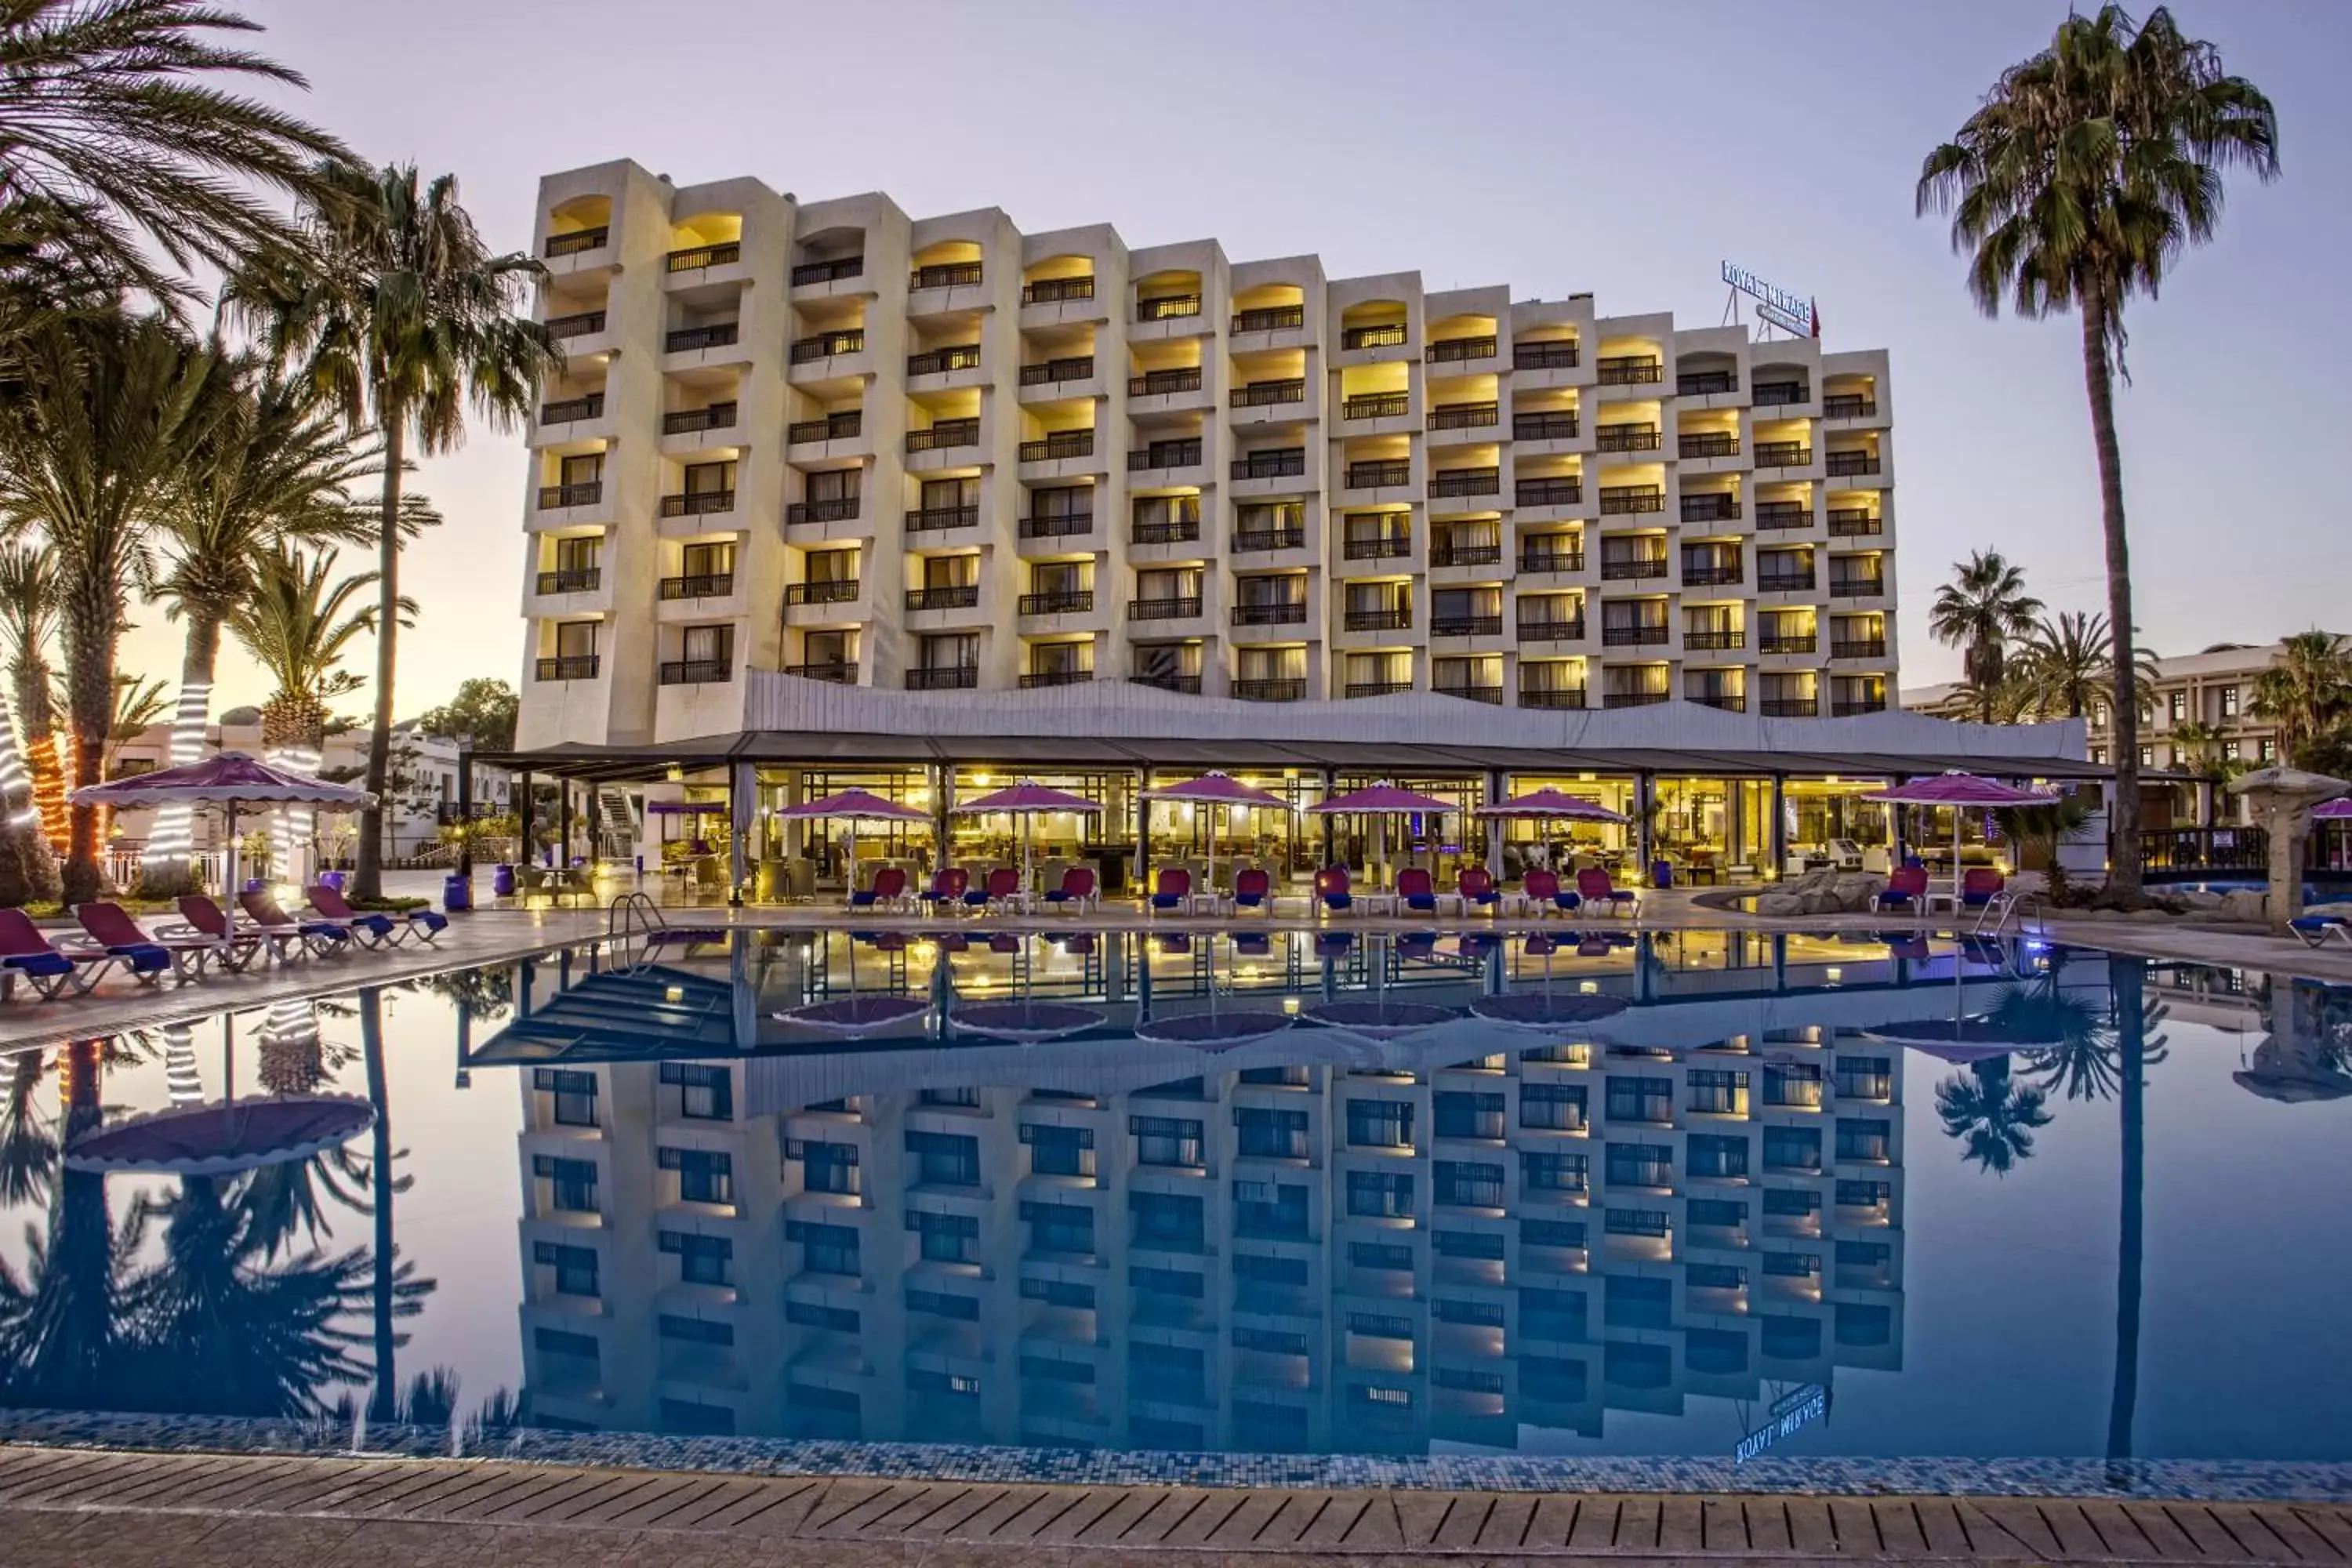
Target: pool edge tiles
point(2168, 1479)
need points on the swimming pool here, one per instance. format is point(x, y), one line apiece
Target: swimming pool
point(1592, 1194)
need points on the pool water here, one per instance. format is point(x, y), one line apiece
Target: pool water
point(1591, 1193)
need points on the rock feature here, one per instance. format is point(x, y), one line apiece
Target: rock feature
point(2282, 799)
point(1822, 892)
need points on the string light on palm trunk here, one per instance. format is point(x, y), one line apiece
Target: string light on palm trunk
point(14, 779)
point(174, 834)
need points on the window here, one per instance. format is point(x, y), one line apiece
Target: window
point(1485, 1245)
point(816, 1315)
point(1273, 1342)
point(944, 1158)
point(826, 1167)
point(944, 1304)
point(1863, 1195)
point(946, 1238)
point(701, 1260)
point(705, 1093)
point(1718, 1093)
point(1642, 1164)
point(1548, 1377)
point(1059, 1228)
point(687, 1418)
point(1792, 1148)
point(1641, 1099)
point(2231, 751)
point(1467, 1184)
point(1468, 1115)
point(1865, 1078)
point(824, 1249)
point(696, 1331)
point(1865, 1255)
point(2175, 706)
point(1380, 1326)
point(1270, 1134)
point(1467, 1381)
point(1636, 1221)
point(718, 561)
point(1167, 1141)
point(1722, 1158)
point(578, 555)
point(703, 1177)
point(576, 1266)
point(939, 495)
point(1556, 1107)
point(708, 645)
point(1715, 1276)
point(571, 1184)
point(2147, 756)
point(1551, 1233)
point(1715, 1212)
point(1266, 1209)
point(1792, 1265)
point(2229, 702)
point(1261, 1268)
point(575, 1092)
point(1058, 1293)
point(954, 1386)
point(1377, 1193)
point(1379, 1124)
point(2266, 750)
point(1861, 1140)
point(1788, 1202)
point(1552, 1314)
point(1793, 1084)
point(1178, 1283)
point(1479, 1315)
point(1168, 1220)
point(1554, 1172)
point(1059, 1150)
point(1054, 1369)
point(1380, 1255)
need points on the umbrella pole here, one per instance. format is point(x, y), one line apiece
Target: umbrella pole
point(1955, 868)
point(229, 892)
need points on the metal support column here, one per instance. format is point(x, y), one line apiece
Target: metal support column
point(562, 822)
point(741, 785)
point(1895, 817)
point(1494, 826)
point(1142, 832)
point(1645, 792)
point(1330, 827)
point(466, 809)
point(1776, 836)
point(526, 818)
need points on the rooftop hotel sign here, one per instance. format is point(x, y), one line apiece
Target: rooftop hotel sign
point(1791, 312)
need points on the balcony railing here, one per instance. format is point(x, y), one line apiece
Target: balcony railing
point(839, 591)
point(1858, 647)
point(1256, 540)
point(1849, 406)
point(944, 678)
point(1866, 586)
point(1783, 455)
point(1379, 475)
point(1627, 438)
point(1444, 552)
point(932, 518)
point(1380, 547)
point(1166, 455)
point(1387, 618)
point(1714, 641)
point(698, 503)
point(1557, 353)
point(1774, 393)
point(825, 345)
point(1389, 334)
point(1277, 689)
point(1162, 383)
point(578, 240)
point(1626, 568)
point(1070, 367)
point(1552, 697)
point(1729, 702)
point(953, 596)
point(695, 258)
point(1551, 559)
point(689, 339)
point(1057, 525)
point(719, 585)
point(1163, 609)
point(1783, 582)
point(1070, 677)
point(1167, 306)
point(1466, 482)
point(1846, 706)
point(1281, 463)
point(566, 410)
point(940, 361)
point(1053, 291)
point(1164, 530)
point(566, 666)
point(571, 580)
point(840, 672)
point(711, 417)
point(1705, 383)
point(1465, 416)
point(946, 433)
point(1552, 628)
point(1634, 636)
point(1376, 406)
point(1849, 523)
point(1719, 506)
point(1067, 600)
point(1710, 574)
point(1270, 319)
point(1466, 625)
point(1552, 426)
point(832, 271)
point(1790, 707)
point(841, 427)
point(1057, 445)
point(702, 671)
point(839, 508)
point(1377, 687)
point(1470, 692)
point(1451, 350)
point(1772, 514)
point(1633, 698)
point(945, 275)
point(1631, 370)
point(1188, 684)
point(1283, 613)
point(1548, 493)
point(1843, 464)
point(1787, 642)
point(588, 494)
point(1620, 500)
point(1264, 393)
point(1709, 444)
point(579, 324)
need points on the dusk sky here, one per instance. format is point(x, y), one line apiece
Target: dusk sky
point(1556, 147)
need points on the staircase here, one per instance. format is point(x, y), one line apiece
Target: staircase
point(616, 822)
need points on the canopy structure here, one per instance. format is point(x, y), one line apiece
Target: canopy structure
point(1217, 789)
point(1024, 800)
point(1959, 791)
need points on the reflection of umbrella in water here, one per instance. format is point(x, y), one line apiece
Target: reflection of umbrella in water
point(854, 1014)
point(2276, 1075)
point(222, 1137)
point(1023, 1019)
point(1383, 1018)
point(1214, 1030)
point(1542, 1010)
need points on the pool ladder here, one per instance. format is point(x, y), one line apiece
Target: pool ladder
point(633, 918)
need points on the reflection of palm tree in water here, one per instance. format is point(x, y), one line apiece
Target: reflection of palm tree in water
point(2132, 1016)
point(384, 1402)
point(28, 1149)
point(1994, 1116)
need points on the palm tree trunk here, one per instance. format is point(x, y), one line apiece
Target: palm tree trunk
point(165, 869)
point(386, 1398)
point(368, 882)
point(2123, 819)
point(2126, 976)
point(37, 711)
point(92, 619)
point(28, 871)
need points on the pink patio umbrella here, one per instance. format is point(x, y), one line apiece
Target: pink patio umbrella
point(853, 806)
point(1214, 789)
point(233, 780)
point(1959, 791)
point(1383, 800)
point(1024, 800)
point(2336, 810)
point(1550, 805)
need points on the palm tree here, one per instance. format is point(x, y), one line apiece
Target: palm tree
point(2084, 173)
point(405, 318)
point(1982, 607)
point(2196, 746)
point(2307, 691)
point(114, 408)
point(1994, 1117)
point(28, 625)
point(2067, 663)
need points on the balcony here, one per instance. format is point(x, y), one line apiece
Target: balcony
point(1633, 698)
point(1053, 290)
point(1552, 560)
point(1787, 642)
point(1163, 609)
point(698, 503)
point(1776, 514)
point(1552, 697)
point(1552, 628)
point(944, 678)
point(1386, 336)
point(1376, 406)
point(1728, 702)
point(1466, 625)
point(579, 324)
point(833, 272)
point(1454, 351)
point(1064, 602)
point(578, 240)
point(1783, 582)
point(1849, 406)
point(703, 671)
point(1387, 618)
point(1857, 648)
point(1282, 463)
point(1714, 641)
point(1382, 474)
point(1555, 354)
point(1868, 585)
point(841, 672)
point(1282, 613)
point(1625, 568)
point(1054, 372)
point(688, 421)
point(1167, 306)
point(1709, 444)
point(945, 275)
point(716, 585)
point(1843, 465)
point(570, 580)
point(1705, 383)
point(1183, 454)
point(553, 496)
point(1617, 500)
point(1554, 426)
point(1847, 707)
point(1176, 531)
point(1548, 493)
point(953, 596)
point(1279, 689)
point(566, 666)
point(1775, 394)
point(1639, 636)
point(1850, 523)
point(840, 509)
point(1466, 482)
point(1265, 394)
point(1711, 574)
point(1790, 707)
point(940, 361)
point(945, 434)
point(569, 410)
point(934, 519)
point(1188, 684)
point(1057, 445)
point(1470, 692)
point(840, 591)
point(1444, 553)
point(1057, 525)
point(1162, 383)
point(827, 345)
point(1033, 679)
point(1270, 319)
point(1377, 687)
point(1256, 540)
point(1720, 507)
point(1627, 438)
point(1631, 370)
point(691, 340)
point(842, 427)
point(1381, 547)
point(700, 257)
point(1783, 455)
point(1465, 416)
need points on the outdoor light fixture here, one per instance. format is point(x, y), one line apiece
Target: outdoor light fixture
point(674, 994)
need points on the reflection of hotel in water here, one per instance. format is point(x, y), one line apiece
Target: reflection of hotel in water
point(1325, 1257)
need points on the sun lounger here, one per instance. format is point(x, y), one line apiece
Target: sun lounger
point(946, 892)
point(1907, 888)
point(1414, 892)
point(2314, 931)
point(1474, 887)
point(1252, 890)
point(890, 890)
point(1076, 892)
point(199, 916)
point(1593, 886)
point(1542, 890)
point(424, 924)
point(321, 937)
point(1171, 891)
point(1331, 890)
point(28, 956)
point(112, 931)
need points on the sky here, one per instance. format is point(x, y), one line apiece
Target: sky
point(1557, 147)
